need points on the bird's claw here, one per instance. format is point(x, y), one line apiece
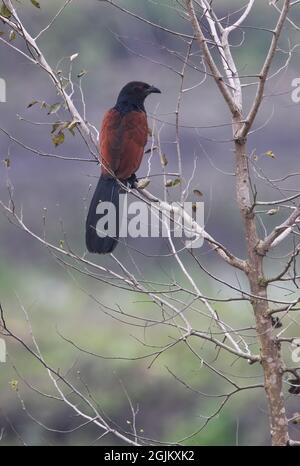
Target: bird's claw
point(132, 180)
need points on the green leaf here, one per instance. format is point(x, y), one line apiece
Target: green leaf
point(54, 108)
point(35, 3)
point(58, 138)
point(5, 11)
point(172, 183)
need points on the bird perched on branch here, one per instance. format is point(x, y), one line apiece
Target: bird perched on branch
point(123, 137)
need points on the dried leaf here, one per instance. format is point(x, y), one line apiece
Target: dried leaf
point(6, 162)
point(82, 73)
point(273, 211)
point(197, 193)
point(71, 126)
point(12, 35)
point(31, 104)
point(163, 160)
point(294, 386)
point(151, 149)
point(296, 419)
point(55, 126)
point(64, 82)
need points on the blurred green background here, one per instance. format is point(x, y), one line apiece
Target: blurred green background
point(115, 48)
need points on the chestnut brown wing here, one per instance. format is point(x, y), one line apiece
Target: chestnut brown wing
point(122, 142)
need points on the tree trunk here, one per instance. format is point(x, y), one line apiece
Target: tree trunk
point(269, 347)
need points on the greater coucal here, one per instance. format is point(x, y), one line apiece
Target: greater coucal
point(123, 137)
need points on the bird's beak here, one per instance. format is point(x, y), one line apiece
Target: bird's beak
point(153, 90)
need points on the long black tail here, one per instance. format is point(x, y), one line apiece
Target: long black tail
point(107, 190)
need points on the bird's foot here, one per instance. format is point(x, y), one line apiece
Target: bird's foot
point(131, 181)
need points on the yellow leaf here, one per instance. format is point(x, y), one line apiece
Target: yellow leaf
point(14, 385)
point(271, 154)
point(58, 139)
